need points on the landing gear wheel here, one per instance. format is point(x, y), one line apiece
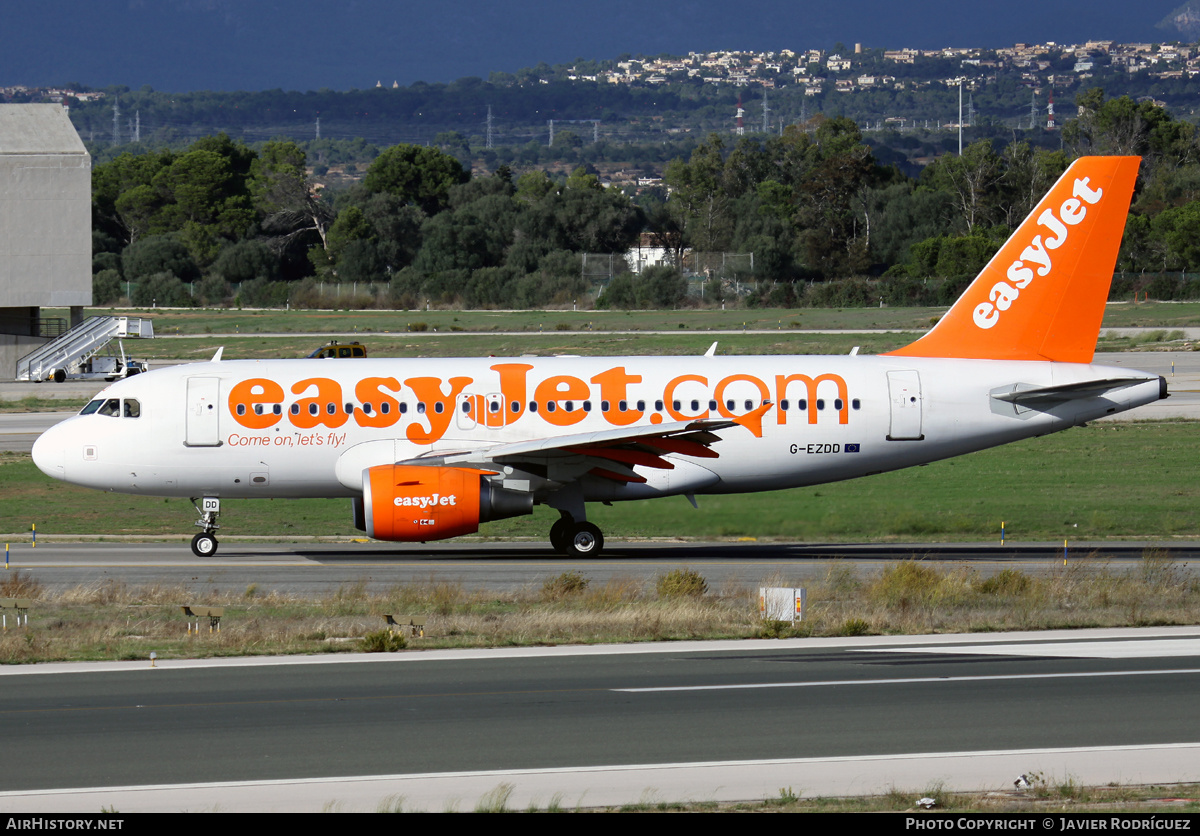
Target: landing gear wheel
point(204, 545)
point(585, 540)
point(559, 532)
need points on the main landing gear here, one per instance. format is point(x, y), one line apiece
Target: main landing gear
point(204, 544)
point(576, 539)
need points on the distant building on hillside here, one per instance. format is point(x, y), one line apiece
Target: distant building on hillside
point(45, 224)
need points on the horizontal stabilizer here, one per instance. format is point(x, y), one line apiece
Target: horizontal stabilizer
point(1066, 392)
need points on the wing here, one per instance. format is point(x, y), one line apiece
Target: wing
point(609, 454)
point(553, 461)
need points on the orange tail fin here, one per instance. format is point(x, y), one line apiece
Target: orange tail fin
point(1042, 296)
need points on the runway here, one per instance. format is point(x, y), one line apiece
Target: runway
point(315, 569)
point(604, 725)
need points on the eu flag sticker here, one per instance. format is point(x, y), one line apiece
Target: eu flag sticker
point(851, 448)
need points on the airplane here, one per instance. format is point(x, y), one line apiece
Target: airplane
point(428, 449)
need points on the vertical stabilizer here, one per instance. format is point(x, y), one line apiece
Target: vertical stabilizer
point(1042, 296)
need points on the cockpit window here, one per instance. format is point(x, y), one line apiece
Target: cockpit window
point(114, 408)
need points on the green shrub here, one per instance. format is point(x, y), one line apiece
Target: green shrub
point(382, 641)
point(1005, 582)
point(855, 627)
point(681, 582)
point(568, 583)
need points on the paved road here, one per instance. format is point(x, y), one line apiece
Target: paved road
point(605, 725)
point(317, 568)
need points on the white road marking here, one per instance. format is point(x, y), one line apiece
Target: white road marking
point(908, 681)
point(1142, 649)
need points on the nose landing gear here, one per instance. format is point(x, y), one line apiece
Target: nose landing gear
point(204, 544)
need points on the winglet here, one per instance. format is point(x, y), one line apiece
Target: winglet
point(1042, 296)
point(753, 420)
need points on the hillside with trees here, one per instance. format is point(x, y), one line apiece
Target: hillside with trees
point(826, 215)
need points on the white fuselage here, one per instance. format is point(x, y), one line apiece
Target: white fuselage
point(308, 428)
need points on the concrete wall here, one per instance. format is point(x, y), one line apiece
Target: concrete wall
point(45, 210)
point(12, 348)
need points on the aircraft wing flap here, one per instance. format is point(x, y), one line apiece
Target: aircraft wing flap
point(609, 454)
point(698, 432)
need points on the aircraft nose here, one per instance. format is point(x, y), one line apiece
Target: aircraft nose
point(50, 455)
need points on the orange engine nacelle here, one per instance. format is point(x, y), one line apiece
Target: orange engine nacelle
point(410, 504)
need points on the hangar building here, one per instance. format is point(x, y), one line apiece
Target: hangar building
point(45, 227)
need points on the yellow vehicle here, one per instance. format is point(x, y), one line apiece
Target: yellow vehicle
point(334, 349)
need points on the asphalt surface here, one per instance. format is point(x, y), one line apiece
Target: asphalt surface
point(315, 569)
point(592, 725)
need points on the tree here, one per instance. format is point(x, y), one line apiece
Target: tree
point(418, 175)
point(290, 205)
point(973, 179)
point(158, 254)
point(698, 196)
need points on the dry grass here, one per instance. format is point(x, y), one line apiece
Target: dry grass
point(114, 620)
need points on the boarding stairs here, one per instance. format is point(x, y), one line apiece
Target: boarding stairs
point(73, 349)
